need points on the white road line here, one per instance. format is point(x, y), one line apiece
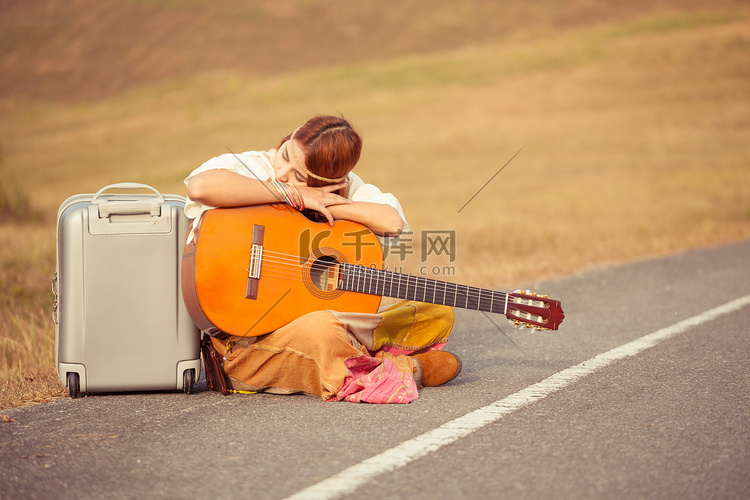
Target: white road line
point(355, 476)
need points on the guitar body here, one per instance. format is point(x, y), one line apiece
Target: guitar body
point(226, 289)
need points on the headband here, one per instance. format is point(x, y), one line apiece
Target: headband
point(304, 168)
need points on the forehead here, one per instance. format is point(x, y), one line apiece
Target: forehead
point(297, 148)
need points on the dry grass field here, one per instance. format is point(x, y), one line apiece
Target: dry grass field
point(632, 123)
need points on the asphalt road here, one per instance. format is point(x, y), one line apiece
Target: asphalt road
point(671, 421)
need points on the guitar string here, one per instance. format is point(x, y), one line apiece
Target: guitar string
point(288, 267)
point(471, 302)
point(377, 275)
point(292, 261)
point(291, 267)
point(378, 281)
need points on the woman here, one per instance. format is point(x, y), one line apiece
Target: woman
point(360, 357)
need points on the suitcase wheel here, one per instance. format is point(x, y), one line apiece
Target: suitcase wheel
point(73, 385)
point(188, 380)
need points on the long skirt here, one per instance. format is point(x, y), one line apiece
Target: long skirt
point(357, 357)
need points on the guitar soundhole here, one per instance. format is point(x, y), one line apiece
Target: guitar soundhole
point(324, 273)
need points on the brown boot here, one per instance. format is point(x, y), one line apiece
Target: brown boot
point(438, 367)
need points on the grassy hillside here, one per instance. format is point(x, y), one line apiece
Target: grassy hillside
point(631, 121)
point(87, 49)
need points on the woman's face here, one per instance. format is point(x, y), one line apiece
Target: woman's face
point(286, 168)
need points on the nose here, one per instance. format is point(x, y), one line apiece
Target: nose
point(282, 173)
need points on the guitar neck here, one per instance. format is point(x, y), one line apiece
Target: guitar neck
point(361, 279)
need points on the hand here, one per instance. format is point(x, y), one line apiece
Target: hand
point(319, 198)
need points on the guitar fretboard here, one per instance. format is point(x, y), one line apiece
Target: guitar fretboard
point(371, 281)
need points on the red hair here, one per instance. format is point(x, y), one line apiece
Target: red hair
point(331, 145)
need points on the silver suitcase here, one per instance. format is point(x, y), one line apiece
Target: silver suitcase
point(120, 321)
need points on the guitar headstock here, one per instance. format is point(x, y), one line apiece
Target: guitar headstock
point(530, 310)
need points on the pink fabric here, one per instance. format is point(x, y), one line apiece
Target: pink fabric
point(378, 380)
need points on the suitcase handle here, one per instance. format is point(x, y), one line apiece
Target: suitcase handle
point(127, 185)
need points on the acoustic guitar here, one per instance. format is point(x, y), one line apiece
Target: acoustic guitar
point(251, 270)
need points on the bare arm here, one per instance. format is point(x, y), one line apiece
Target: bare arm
point(382, 219)
point(224, 188)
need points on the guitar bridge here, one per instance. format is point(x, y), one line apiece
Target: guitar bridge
point(256, 259)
